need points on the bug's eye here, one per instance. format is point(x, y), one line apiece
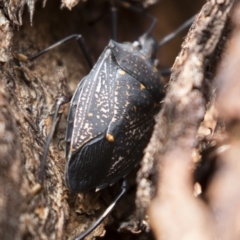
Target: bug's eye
point(137, 45)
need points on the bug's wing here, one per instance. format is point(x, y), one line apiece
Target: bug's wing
point(89, 165)
point(71, 115)
point(89, 153)
point(131, 126)
point(138, 66)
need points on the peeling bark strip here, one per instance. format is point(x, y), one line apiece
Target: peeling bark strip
point(175, 132)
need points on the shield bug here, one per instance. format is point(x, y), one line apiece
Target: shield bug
point(111, 115)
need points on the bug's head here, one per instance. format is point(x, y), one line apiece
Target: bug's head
point(148, 46)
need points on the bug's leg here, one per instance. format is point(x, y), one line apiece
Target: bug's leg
point(81, 44)
point(180, 29)
point(60, 102)
point(167, 38)
point(106, 212)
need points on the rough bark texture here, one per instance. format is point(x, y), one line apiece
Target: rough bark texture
point(28, 93)
point(188, 92)
point(175, 213)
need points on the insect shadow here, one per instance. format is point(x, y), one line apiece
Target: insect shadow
point(111, 115)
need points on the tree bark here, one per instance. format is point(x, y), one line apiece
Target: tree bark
point(28, 94)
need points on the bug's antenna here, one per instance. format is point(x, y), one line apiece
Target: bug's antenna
point(107, 211)
point(172, 35)
point(81, 42)
point(60, 102)
point(154, 21)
